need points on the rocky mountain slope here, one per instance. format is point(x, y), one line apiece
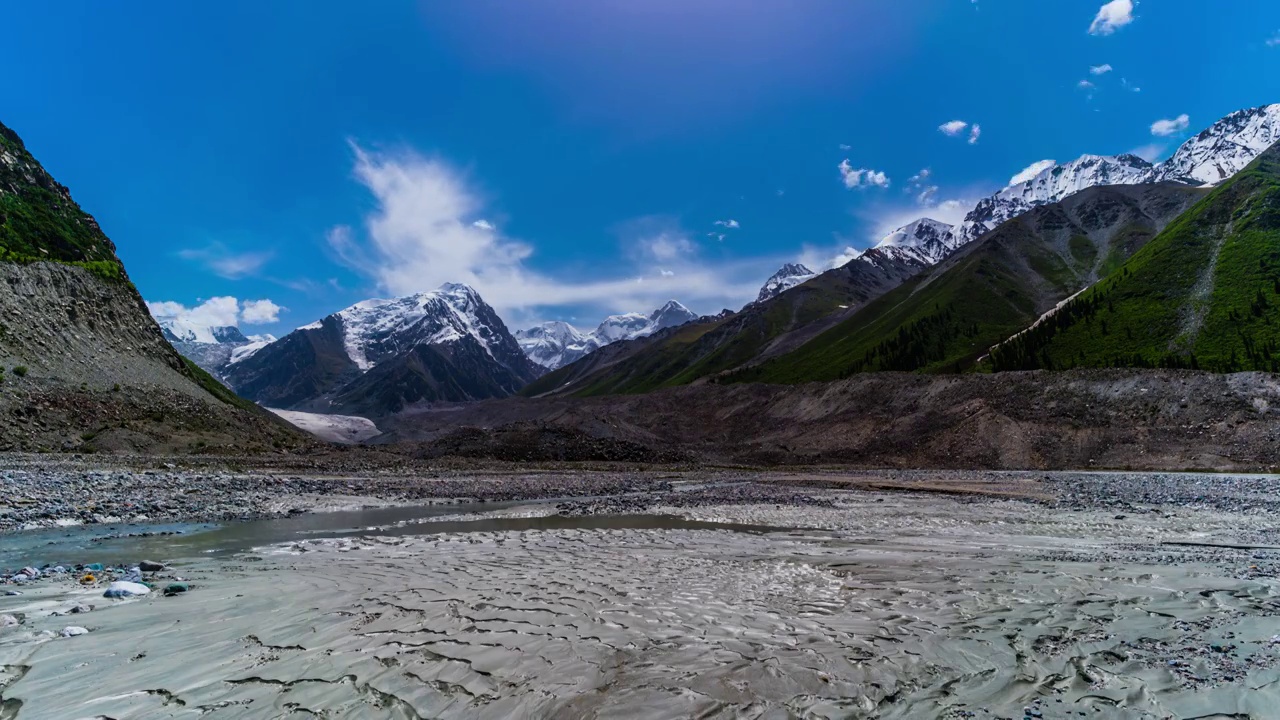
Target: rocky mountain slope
point(380, 356)
point(555, 344)
point(948, 316)
point(1204, 294)
point(87, 367)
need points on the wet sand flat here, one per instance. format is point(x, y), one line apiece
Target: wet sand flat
point(884, 605)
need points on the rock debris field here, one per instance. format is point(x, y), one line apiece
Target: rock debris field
point(877, 595)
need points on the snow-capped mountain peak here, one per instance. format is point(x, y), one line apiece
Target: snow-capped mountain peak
point(787, 277)
point(1224, 148)
point(925, 240)
point(670, 315)
point(555, 343)
point(374, 329)
point(182, 330)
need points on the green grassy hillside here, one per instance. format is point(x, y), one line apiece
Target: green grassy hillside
point(40, 221)
point(1204, 294)
point(946, 319)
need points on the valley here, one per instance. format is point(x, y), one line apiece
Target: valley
point(584, 361)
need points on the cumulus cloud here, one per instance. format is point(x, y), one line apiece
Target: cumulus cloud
point(1085, 85)
point(483, 224)
point(953, 128)
point(225, 263)
point(1031, 171)
point(218, 312)
point(861, 177)
point(1102, 69)
point(1166, 128)
point(422, 232)
point(731, 224)
point(259, 312)
point(975, 132)
point(1111, 17)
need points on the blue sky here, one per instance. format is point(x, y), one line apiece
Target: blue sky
point(571, 157)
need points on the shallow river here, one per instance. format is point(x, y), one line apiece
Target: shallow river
point(127, 543)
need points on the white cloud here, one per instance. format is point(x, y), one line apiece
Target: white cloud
point(1274, 40)
point(927, 195)
point(1102, 69)
point(975, 132)
point(861, 177)
point(845, 147)
point(218, 312)
point(483, 224)
point(1031, 171)
point(1124, 82)
point(1085, 85)
point(953, 128)
point(731, 224)
point(1150, 153)
point(420, 234)
point(1111, 17)
point(259, 312)
point(1165, 128)
point(225, 263)
point(666, 246)
point(920, 177)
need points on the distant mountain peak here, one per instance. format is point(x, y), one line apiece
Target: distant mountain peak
point(380, 355)
point(555, 344)
point(787, 277)
point(923, 241)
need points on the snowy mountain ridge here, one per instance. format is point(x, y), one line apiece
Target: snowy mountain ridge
point(1217, 153)
point(556, 343)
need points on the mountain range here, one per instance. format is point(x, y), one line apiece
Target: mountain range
point(928, 296)
point(932, 297)
point(555, 344)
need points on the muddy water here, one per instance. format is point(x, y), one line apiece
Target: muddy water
point(127, 543)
